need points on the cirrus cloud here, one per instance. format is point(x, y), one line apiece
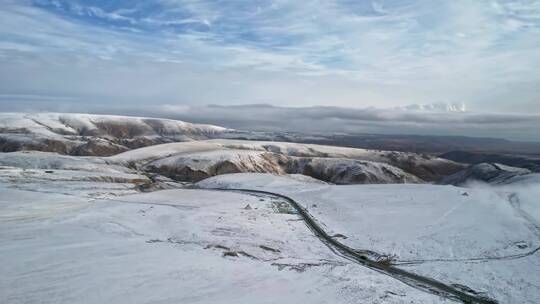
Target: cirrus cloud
point(288, 53)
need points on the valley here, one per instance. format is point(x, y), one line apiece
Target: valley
point(324, 223)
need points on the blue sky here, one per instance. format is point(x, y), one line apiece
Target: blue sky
point(62, 55)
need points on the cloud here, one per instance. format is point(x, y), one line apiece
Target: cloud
point(311, 120)
point(300, 53)
point(359, 121)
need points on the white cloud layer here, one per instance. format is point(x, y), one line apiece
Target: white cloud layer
point(289, 53)
point(360, 121)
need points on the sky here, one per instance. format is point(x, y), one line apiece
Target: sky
point(162, 55)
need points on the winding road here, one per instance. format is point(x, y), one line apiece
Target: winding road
point(414, 280)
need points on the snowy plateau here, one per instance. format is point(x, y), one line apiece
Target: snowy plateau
point(114, 209)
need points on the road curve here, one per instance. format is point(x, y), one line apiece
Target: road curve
point(414, 280)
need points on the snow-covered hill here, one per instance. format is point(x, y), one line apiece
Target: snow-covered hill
point(484, 172)
point(190, 156)
point(193, 161)
point(201, 165)
point(96, 135)
point(53, 161)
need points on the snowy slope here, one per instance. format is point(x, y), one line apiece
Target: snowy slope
point(61, 245)
point(477, 237)
point(72, 225)
point(92, 176)
point(525, 179)
point(45, 160)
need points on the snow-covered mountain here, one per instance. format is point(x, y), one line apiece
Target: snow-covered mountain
point(96, 135)
point(188, 155)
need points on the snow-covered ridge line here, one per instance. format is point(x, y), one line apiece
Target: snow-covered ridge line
point(97, 135)
point(191, 152)
point(70, 120)
point(201, 159)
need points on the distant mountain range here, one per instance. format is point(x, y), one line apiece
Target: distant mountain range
point(186, 151)
point(103, 135)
